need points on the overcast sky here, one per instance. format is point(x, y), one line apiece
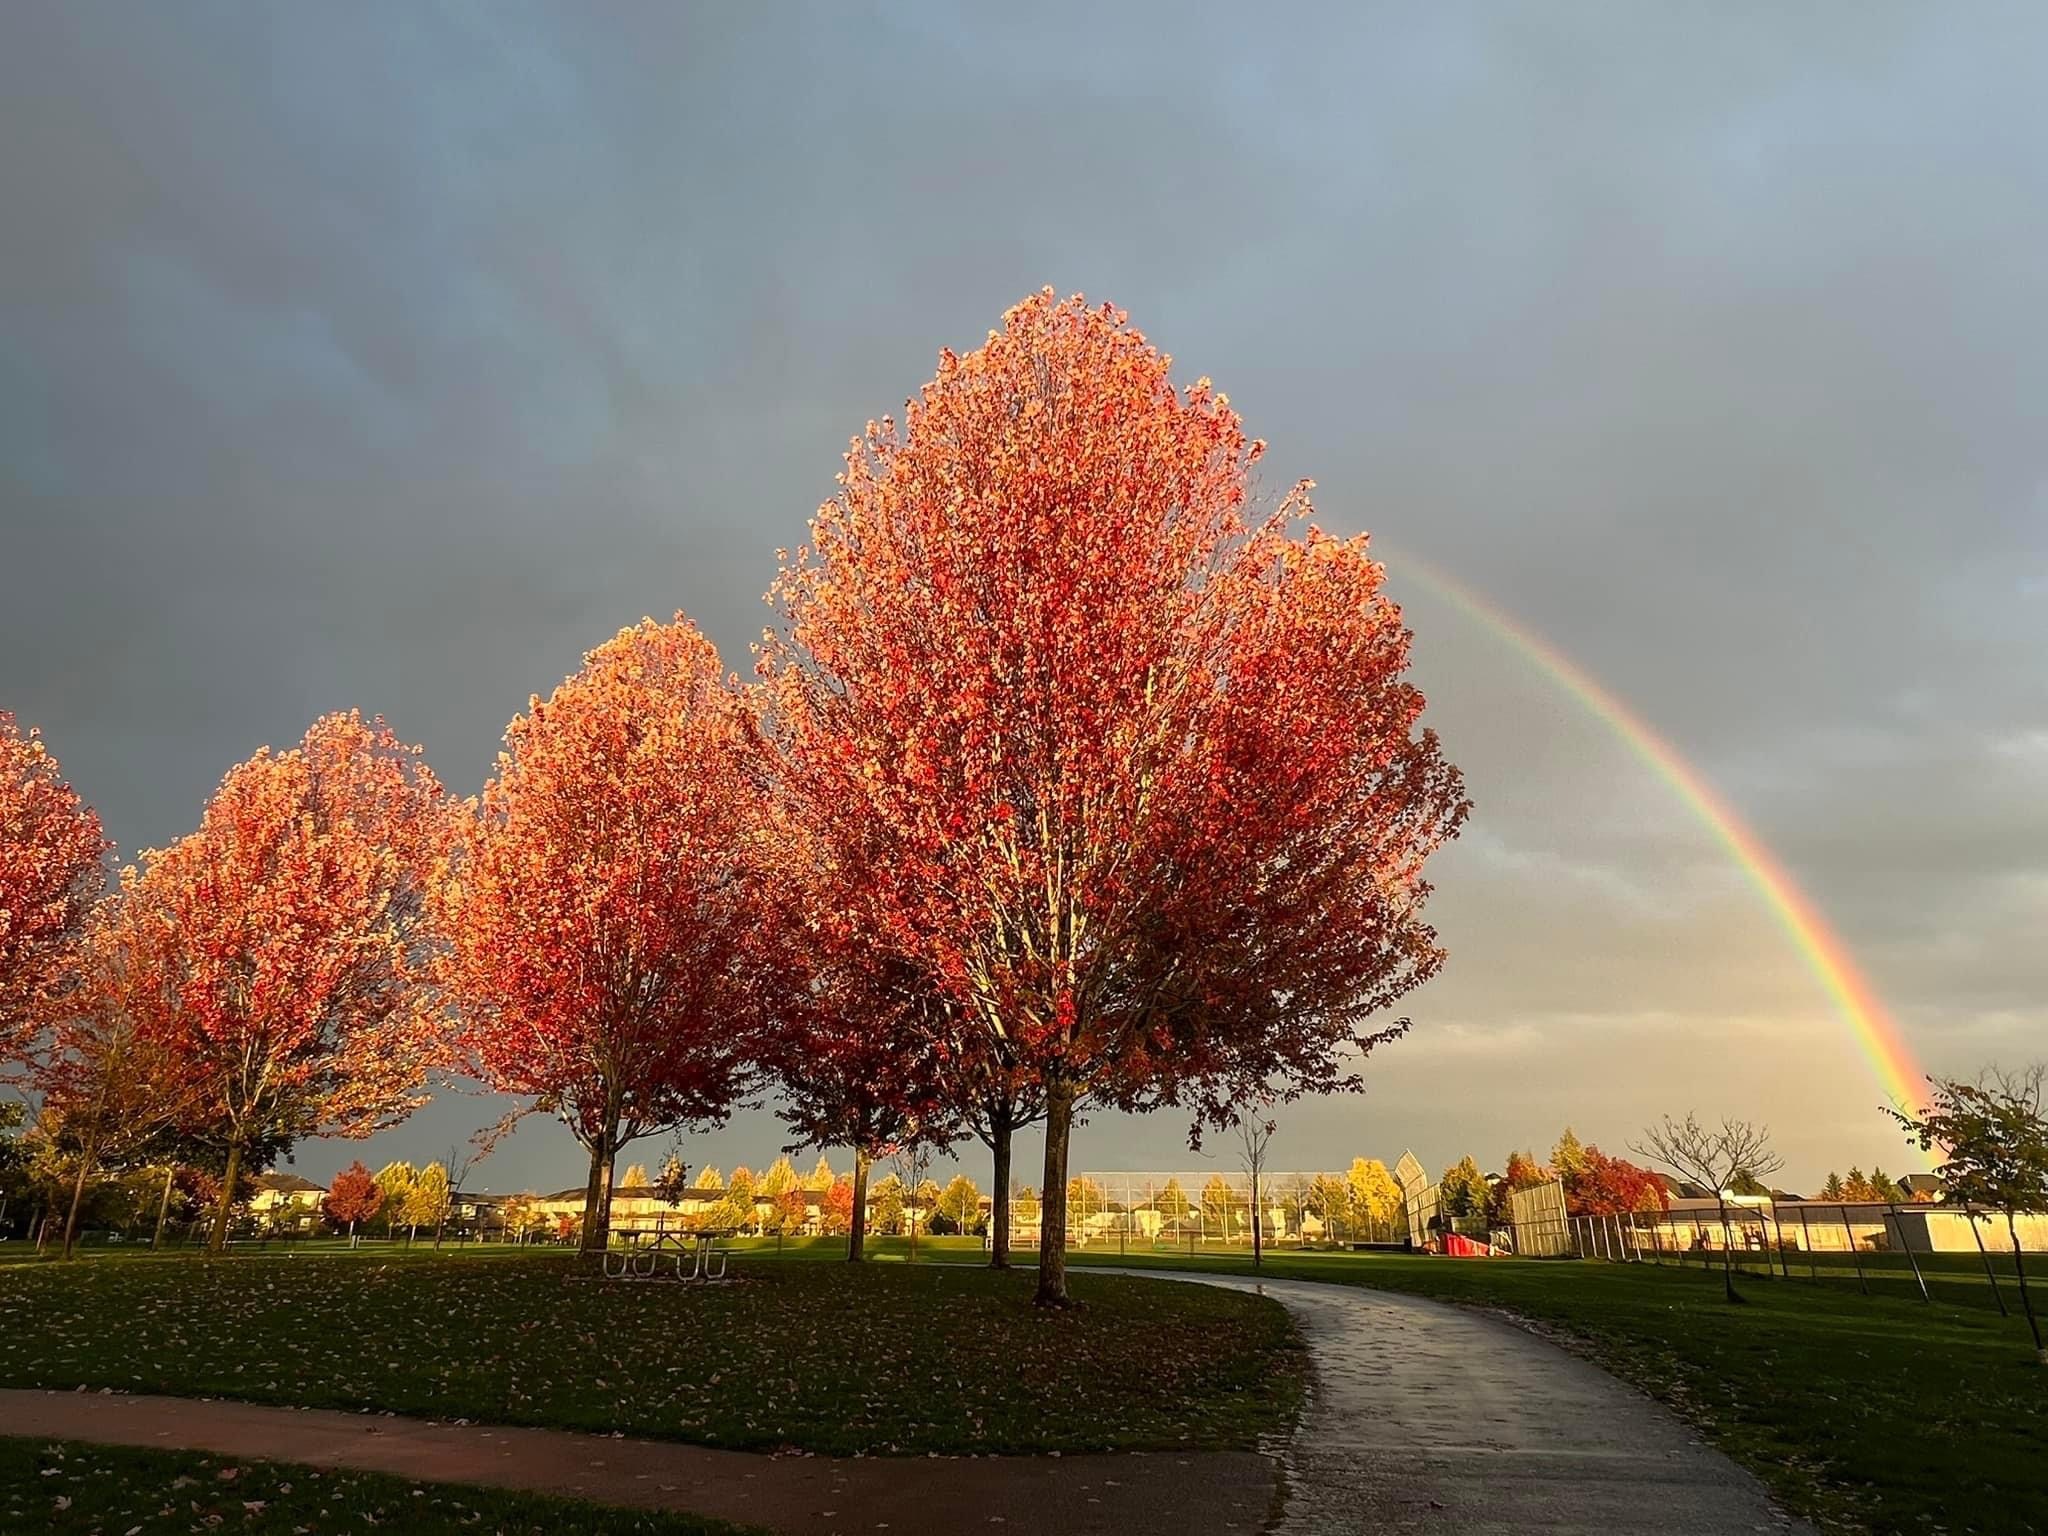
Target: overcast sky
point(392, 356)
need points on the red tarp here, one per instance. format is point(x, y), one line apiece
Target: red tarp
point(1458, 1246)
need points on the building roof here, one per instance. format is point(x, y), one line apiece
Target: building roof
point(288, 1184)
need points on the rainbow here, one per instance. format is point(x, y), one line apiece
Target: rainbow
point(1898, 1071)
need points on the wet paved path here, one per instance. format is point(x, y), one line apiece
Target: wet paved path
point(1428, 1417)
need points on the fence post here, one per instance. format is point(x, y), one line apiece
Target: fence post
point(1911, 1257)
point(1657, 1242)
point(1854, 1257)
point(1985, 1254)
point(1806, 1233)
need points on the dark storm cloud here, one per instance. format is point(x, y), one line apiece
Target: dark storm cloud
point(391, 357)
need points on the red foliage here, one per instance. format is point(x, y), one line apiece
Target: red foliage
point(1133, 784)
point(279, 949)
point(602, 922)
point(835, 1211)
point(52, 869)
point(792, 1209)
point(1613, 1186)
point(1522, 1172)
point(353, 1197)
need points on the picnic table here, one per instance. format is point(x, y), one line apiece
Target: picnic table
point(694, 1256)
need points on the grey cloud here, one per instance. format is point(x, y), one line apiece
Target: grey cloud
point(391, 356)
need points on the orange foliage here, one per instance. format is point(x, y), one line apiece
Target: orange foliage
point(280, 950)
point(1133, 779)
point(602, 921)
point(52, 868)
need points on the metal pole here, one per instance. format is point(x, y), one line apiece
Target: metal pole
point(1854, 1257)
point(1984, 1254)
point(1911, 1257)
point(1806, 1233)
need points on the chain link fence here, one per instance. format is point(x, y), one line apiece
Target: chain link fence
point(1970, 1256)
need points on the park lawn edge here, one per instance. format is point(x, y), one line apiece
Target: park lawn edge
point(283, 1490)
point(1255, 1396)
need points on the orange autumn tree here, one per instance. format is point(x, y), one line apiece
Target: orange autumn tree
point(1134, 776)
point(52, 869)
point(282, 951)
point(602, 921)
point(111, 1084)
point(353, 1197)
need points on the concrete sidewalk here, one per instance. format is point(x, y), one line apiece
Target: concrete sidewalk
point(1202, 1493)
point(1433, 1418)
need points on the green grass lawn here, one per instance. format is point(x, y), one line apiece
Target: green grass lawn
point(1878, 1412)
point(64, 1486)
point(834, 1358)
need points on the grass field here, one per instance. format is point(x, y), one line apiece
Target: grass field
point(1875, 1411)
point(884, 1358)
point(1879, 1412)
point(68, 1487)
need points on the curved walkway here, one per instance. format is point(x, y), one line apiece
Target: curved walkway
point(1428, 1417)
point(1422, 1417)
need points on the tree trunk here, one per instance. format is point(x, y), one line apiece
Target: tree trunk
point(77, 1199)
point(1258, 1247)
point(1727, 1253)
point(857, 1224)
point(218, 1243)
point(999, 1201)
point(2019, 1263)
point(1052, 1199)
point(163, 1210)
point(597, 1194)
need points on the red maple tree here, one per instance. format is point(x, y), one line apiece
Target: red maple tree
point(857, 1081)
point(835, 1209)
point(281, 950)
point(52, 869)
point(353, 1196)
point(111, 1085)
point(1132, 780)
point(1613, 1186)
point(602, 921)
